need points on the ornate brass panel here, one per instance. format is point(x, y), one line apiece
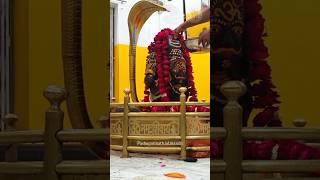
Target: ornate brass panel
point(198, 126)
point(154, 126)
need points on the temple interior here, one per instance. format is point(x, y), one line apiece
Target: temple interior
point(101, 92)
point(32, 45)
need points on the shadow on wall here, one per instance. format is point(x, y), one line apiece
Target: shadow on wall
point(294, 56)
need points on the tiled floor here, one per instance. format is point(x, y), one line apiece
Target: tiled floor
point(153, 167)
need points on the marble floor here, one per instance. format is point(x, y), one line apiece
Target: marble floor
point(153, 167)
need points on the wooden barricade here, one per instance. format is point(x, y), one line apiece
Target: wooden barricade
point(53, 167)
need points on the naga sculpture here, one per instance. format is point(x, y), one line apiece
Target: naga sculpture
point(73, 75)
point(138, 15)
point(72, 59)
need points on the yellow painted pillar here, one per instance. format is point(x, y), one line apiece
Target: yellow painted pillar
point(38, 59)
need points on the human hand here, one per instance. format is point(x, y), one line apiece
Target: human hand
point(204, 38)
point(179, 29)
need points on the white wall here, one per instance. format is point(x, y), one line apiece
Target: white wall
point(155, 23)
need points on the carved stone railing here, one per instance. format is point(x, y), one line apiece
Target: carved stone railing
point(174, 129)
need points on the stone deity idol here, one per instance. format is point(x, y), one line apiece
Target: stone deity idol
point(168, 68)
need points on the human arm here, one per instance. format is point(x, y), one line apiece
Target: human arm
point(203, 17)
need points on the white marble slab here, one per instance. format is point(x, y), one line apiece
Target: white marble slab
point(153, 167)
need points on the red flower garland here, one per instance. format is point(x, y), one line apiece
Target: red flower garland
point(260, 75)
point(160, 46)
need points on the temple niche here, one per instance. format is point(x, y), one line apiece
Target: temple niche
point(243, 107)
point(243, 94)
point(164, 100)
